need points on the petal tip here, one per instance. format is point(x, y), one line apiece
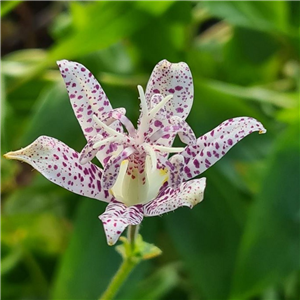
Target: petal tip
point(12, 154)
point(262, 131)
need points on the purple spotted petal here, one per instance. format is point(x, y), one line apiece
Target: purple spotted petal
point(86, 95)
point(117, 217)
point(111, 170)
point(176, 79)
point(215, 144)
point(88, 152)
point(182, 128)
point(60, 164)
point(187, 194)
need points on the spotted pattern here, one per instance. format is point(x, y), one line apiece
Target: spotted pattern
point(60, 164)
point(111, 169)
point(187, 194)
point(213, 145)
point(156, 130)
point(117, 217)
point(176, 79)
point(86, 95)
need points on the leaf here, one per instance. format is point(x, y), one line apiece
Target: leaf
point(207, 236)
point(7, 6)
point(100, 30)
point(259, 94)
point(54, 116)
point(269, 251)
point(265, 16)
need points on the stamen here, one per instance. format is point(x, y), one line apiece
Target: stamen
point(144, 107)
point(128, 125)
point(149, 149)
point(108, 129)
point(156, 108)
point(105, 141)
point(156, 135)
point(168, 149)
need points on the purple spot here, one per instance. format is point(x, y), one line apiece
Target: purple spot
point(156, 91)
point(179, 109)
point(196, 163)
point(157, 123)
point(98, 185)
point(178, 88)
point(230, 142)
point(89, 129)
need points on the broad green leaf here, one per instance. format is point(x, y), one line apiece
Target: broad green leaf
point(269, 250)
point(207, 236)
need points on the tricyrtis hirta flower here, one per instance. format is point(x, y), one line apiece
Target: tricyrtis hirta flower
point(138, 177)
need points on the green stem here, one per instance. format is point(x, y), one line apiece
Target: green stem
point(132, 234)
point(119, 278)
point(129, 262)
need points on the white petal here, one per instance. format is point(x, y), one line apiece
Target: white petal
point(176, 79)
point(117, 217)
point(215, 144)
point(187, 194)
point(86, 95)
point(60, 164)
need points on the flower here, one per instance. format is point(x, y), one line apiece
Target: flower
point(138, 177)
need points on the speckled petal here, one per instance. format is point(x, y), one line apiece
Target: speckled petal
point(88, 152)
point(187, 194)
point(176, 79)
point(86, 95)
point(117, 217)
point(111, 170)
point(182, 128)
point(215, 144)
point(60, 164)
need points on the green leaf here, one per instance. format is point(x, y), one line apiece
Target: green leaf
point(263, 15)
point(269, 250)
point(207, 236)
point(7, 6)
point(53, 116)
point(142, 250)
point(101, 29)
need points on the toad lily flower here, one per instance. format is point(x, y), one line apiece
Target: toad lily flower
point(138, 178)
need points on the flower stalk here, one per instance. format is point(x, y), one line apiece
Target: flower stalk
point(133, 251)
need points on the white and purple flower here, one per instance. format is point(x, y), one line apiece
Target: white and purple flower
point(138, 177)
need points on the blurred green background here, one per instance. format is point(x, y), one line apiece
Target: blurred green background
point(242, 241)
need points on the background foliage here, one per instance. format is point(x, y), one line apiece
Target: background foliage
point(242, 241)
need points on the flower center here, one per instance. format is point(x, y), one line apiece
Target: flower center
point(142, 173)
